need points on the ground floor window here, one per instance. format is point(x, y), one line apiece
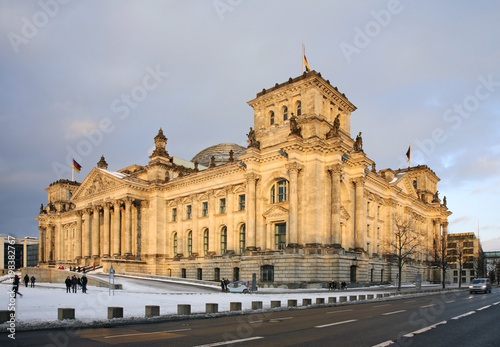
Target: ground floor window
point(267, 273)
point(236, 274)
point(280, 235)
point(199, 273)
point(217, 274)
point(353, 274)
point(183, 273)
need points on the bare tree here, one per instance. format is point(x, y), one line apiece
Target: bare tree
point(441, 258)
point(456, 256)
point(404, 244)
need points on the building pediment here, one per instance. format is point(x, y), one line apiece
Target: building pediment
point(406, 185)
point(98, 181)
point(276, 212)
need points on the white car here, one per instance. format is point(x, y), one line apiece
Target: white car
point(239, 287)
point(480, 285)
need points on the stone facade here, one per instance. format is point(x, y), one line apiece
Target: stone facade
point(303, 204)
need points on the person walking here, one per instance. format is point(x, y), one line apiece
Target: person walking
point(68, 284)
point(222, 285)
point(33, 279)
point(15, 286)
point(74, 283)
point(84, 283)
point(26, 280)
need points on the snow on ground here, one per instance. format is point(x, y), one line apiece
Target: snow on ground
point(37, 308)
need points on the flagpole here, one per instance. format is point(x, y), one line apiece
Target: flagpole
point(72, 171)
point(410, 153)
point(302, 60)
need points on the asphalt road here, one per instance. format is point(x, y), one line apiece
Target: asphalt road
point(449, 319)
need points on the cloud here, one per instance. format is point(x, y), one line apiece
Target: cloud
point(77, 129)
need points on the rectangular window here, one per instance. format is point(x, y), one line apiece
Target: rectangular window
point(281, 191)
point(280, 236)
point(174, 214)
point(222, 205)
point(188, 212)
point(241, 202)
point(204, 208)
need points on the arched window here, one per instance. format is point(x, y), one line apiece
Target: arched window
point(278, 192)
point(174, 243)
point(223, 240)
point(285, 113)
point(271, 118)
point(205, 242)
point(190, 243)
point(299, 108)
point(242, 238)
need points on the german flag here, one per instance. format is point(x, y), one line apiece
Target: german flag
point(76, 166)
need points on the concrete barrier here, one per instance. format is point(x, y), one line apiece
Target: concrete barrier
point(256, 305)
point(306, 302)
point(292, 303)
point(183, 309)
point(332, 300)
point(275, 303)
point(235, 306)
point(369, 296)
point(5, 316)
point(343, 299)
point(211, 308)
point(65, 313)
point(115, 312)
point(320, 301)
point(353, 298)
point(152, 311)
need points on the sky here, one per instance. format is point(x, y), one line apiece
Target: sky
point(89, 78)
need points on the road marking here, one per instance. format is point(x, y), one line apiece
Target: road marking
point(277, 320)
point(496, 303)
point(394, 312)
point(483, 308)
point(256, 321)
point(339, 311)
point(384, 344)
point(449, 302)
point(337, 323)
point(428, 306)
point(230, 342)
point(423, 330)
point(151, 333)
point(382, 305)
point(464, 315)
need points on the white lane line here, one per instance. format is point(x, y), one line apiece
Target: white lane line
point(384, 344)
point(483, 308)
point(393, 312)
point(416, 332)
point(382, 305)
point(277, 320)
point(255, 321)
point(496, 303)
point(464, 315)
point(151, 333)
point(338, 311)
point(449, 302)
point(428, 306)
point(230, 342)
point(337, 323)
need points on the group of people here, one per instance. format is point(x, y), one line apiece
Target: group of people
point(333, 285)
point(75, 282)
point(223, 284)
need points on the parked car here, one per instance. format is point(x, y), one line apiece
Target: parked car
point(239, 287)
point(480, 285)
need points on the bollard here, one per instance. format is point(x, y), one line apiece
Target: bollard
point(320, 301)
point(352, 298)
point(343, 299)
point(152, 311)
point(256, 305)
point(235, 306)
point(292, 303)
point(275, 303)
point(183, 309)
point(115, 312)
point(306, 302)
point(211, 308)
point(65, 313)
point(332, 300)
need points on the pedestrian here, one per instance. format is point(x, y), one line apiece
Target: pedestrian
point(15, 286)
point(222, 285)
point(79, 283)
point(84, 284)
point(68, 284)
point(226, 282)
point(26, 280)
point(33, 279)
point(74, 283)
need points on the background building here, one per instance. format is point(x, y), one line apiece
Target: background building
point(301, 204)
point(24, 252)
point(466, 258)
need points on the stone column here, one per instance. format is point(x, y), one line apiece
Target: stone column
point(251, 205)
point(116, 229)
point(96, 232)
point(212, 211)
point(106, 230)
point(42, 245)
point(293, 239)
point(86, 233)
point(360, 230)
point(128, 227)
point(78, 236)
point(335, 230)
